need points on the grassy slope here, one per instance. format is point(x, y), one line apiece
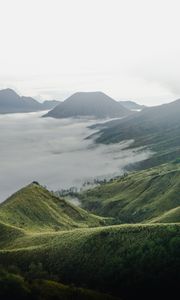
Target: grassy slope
point(35, 208)
point(9, 233)
point(172, 215)
point(138, 197)
point(127, 257)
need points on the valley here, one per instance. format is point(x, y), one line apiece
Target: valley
point(122, 239)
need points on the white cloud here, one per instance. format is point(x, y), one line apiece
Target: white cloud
point(55, 153)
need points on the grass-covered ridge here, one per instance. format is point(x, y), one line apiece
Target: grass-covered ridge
point(142, 196)
point(34, 208)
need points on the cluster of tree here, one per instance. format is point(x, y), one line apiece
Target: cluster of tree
point(67, 192)
point(73, 190)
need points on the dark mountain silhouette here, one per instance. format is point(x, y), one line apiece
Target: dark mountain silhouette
point(96, 104)
point(11, 102)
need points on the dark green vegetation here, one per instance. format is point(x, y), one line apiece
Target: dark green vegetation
point(11, 102)
point(15, 286)
point(151, 195)
point(93, 104)
point(155, 127)
point(130, 258)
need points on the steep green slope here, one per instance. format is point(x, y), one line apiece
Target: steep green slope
point(137, 197)
point(123, 260)
point(35, 208)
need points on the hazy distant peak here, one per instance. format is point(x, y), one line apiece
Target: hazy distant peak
point(88, 95)
point(95, 104)
point(132, 105)
point(8, 92)
point(11, 102)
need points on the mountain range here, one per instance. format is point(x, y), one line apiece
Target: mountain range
point(11, 102)
point(95, 104)
point(89, 104)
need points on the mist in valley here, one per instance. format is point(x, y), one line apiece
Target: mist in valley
point(55, 153)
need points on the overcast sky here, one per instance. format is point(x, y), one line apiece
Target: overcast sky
point(127, 48)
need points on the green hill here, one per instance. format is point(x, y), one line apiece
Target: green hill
point(139, 196)
point(34, 208)
point(122, 260)
point(39, 229)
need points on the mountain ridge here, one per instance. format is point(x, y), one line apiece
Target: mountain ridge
point(11, 102)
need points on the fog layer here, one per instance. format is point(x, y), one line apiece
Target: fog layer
point(55, 153)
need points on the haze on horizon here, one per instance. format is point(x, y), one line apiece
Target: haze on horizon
point(128, 49)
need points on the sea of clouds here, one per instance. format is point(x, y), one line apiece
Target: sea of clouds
point(55, 153)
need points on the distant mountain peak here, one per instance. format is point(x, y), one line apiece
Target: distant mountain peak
point(11, 102)
point(93, 104)
point(8, 92)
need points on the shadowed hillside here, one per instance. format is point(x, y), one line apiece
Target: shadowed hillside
point(120, 260)
point(16, 286)
point(154, 127)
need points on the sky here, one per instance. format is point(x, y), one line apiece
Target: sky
point(56, 154)
point(128, 49)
